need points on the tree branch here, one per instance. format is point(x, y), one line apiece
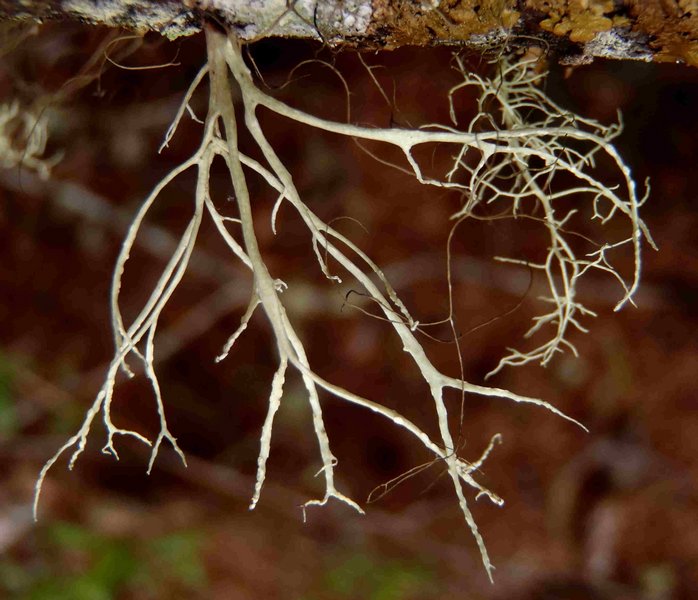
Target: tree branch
point(571, 31)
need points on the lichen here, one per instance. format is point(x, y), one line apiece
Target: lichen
point(168, 17)
point(617, 43)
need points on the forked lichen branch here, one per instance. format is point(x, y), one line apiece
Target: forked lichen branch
point(512, 162)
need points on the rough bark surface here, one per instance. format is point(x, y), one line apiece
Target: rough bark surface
point(573, 31)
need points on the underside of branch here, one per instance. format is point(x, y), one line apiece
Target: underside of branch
point(571, 31)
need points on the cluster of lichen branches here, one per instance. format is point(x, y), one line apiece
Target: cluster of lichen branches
point(480, 179)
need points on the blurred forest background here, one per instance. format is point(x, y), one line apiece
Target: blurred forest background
point(612, 514)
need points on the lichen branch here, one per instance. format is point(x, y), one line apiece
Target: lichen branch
point(515, 154)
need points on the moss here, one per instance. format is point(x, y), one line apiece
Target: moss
point(581, 19)
point(405, 22)
point(672, 26)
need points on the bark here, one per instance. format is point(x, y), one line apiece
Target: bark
point(571, 31)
